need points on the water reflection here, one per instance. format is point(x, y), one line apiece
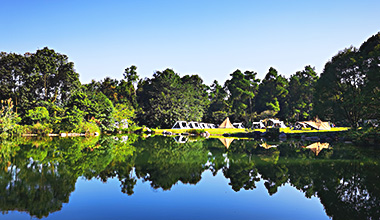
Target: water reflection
point(38, 176)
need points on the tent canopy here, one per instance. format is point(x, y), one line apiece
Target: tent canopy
point(226, 124)
point(317, 124)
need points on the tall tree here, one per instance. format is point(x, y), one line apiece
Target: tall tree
point(301, 91)
point(36, 77)
point(272, 92)
point(339, 91)
point(11, 74)
point(370, 56)
point(167, 98)
point(127, 86)
point(217, 108)
point(242, 88)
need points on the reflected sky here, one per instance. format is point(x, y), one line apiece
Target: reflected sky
point(211, 198)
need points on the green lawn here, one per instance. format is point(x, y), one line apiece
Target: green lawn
point(220, 131)
point(211, 131)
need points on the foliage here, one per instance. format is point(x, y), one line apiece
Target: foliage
point(8, 118)
point(35, 77)
point(90, 106)
point(217, 110)
point(272, 92)
point(301, 91)
point(242, 89)
point(167, 98)
point(348, 89)
point(124, 112)
point(38, 114)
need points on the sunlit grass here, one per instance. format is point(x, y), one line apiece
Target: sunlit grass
point(220, 131)
point(211, 131)
point(308, 130)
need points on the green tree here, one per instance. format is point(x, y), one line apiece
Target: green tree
point(12, 68)
point(272, 92)
point(339, 91)
point(242, 89)
point(42, 76)
point(370, 56)
point(127, 86)
point(38, 114)
point(167, 98)
point(8, 118)
point(217, 110)
point(301, 91)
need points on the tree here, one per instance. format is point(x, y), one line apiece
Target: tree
point(272, 92)
point(217, 109)
point(167, 98)
point(8, 118)
point(11, 73)
point(128, 85)
point(370, 56)
point(301, 91)
point(91, 105)
point(242, 89)
point(35, 77)
point(339, 91)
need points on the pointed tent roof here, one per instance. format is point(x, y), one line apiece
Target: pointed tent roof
point(226, 124)
point(317, 124)
point(226, 141)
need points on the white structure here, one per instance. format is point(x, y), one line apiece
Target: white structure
point(258, 125)
point(204, 125)
point(180, 125)
point(194, 125)
point(238, 125)
point(275, 123)
point(211, 126)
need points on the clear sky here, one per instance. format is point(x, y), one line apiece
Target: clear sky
point(211, 38)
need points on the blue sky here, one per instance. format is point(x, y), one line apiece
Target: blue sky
point(210, 38)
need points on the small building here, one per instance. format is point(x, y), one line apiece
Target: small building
point(180, 125)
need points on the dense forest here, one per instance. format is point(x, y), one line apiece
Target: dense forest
point(41, 92)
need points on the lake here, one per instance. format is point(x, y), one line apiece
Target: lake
point(136, 177)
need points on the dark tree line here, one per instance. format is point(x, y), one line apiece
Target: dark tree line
point(347, 92)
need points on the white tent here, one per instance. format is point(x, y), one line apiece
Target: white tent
point(238, 125)
point(194, 125)
point(258, 125)
point(180, 125)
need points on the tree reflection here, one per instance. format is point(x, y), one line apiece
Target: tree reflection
point(164, 162)
point(38, 176)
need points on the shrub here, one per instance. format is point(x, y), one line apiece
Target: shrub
point(8, 118)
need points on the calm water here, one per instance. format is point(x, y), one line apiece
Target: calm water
point(162, 178)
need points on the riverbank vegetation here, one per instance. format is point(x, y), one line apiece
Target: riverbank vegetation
point(41, 93)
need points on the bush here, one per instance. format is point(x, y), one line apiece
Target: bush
point(8, 118)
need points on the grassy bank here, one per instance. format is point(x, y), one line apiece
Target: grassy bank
point(219, 131)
